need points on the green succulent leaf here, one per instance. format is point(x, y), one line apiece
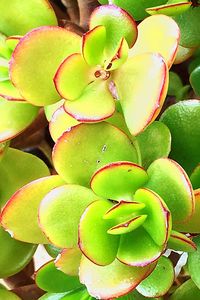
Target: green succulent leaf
point(4, 294)
point(110, 146)
point(180, 242)
point(158, 134)
point(125, 209)
point(52, 250)
point(93, 236)
point(18, 168)
point(24, 226)
point(159, 281)
point(15, 117)
point(118, 181)
point(118, 24)
point(113, 280)
point(49, 110)
point(170, 9)
point(50, 279)
point(55, 209)
point(9, 91)
point(20, 16)
point(35, 81)
point(186, 291)
point(177, 193)
point(69, 261)
point(175, 83)
point(195, 80)
point(193, 262)
point(80, 294)
point(195, 177)
point(128, 83)
point(189, 30)
point(95, 104)
point(183, 121)
point(15, 255)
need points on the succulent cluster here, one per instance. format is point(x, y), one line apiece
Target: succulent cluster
point(122, 187)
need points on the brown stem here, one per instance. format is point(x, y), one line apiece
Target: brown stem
point(85, 8)
point(28, 292)
point(72, 10)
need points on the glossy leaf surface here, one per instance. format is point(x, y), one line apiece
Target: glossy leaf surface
point(180, 242)
point(35, 82)
point(111, 145)
point(20, 215)
point(68, 261)
point(55, 211)
point(195, 80)
point(186, 291)
point(170, 9)
point(195, 177)
point(193, 263)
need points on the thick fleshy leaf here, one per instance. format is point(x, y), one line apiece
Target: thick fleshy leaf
point(55, 211)
point(51, 109)
point(180, 242)
point(9, 91)
point(195, 177)
point(183, 121)
point(177, 193)
point(12, 41)
point(113, 280)
point(94, 241)
point(18, 168)
point(158, 223)
point(4, 294)
point(193, 224)
point(73, 76)
point(50, 279)
point(69, 261)
point(118, 181)
point(159, 281)
point(189, 30)
point(15, 117)
point(52, 250)
point(159, 135)
point(92, 54)
point(195, 80)
point(183, 54)
point(34, 63)
point(78, 294)
point(186, 291)
point(151, 68)
point(137, 248)
point(111, 145)
point(14, 256)
point(127, 226)
point(61, 122)
point(19, 216)
point(175, 84)
point(3, 149)
point(170, 9)
point(165, 39)
point(118, 24)
point(124, 209)
point(193, 262)
point(20, 16)
point(95, 104)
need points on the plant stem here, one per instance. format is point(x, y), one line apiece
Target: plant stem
point(72, 10)
point(85, 8)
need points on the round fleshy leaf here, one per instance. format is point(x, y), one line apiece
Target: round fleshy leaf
point(165, 39)
point(183, 54)
point(193, 224)
point(55, 209)
point(152, 69)
point(95, 104)
point(113, 280)
point(159, 281)
point(158, 222)
point(119, 58)
point(51, 109)
point(193, 262)
point(12, 41)
point(15, 117)
point(170, 9)
point(177, 193)
point(118, 24)
point(50, 279)
point(69, 261)
point(20, 16)
point(183, 121)
point(189, 30)
point(19, 216)
point(180, 242)
point(137, 9)
point(195, 80)
point(127, 226)
point(61, 122)
point(3, 149)
point(15, 255)
point(92, 54)
point(118, 181)
point(158, 134)
point(9, 91)
point(4, 294)
point(137, 248)
point(18, 168)
point(175, 84)
point(34, 63)
point(80, 294)
point(111, 145)
point(73, 76)
point(52, 250)
point(124, 209)
point(195, 177)
point(93, 236)
point(186, 291)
